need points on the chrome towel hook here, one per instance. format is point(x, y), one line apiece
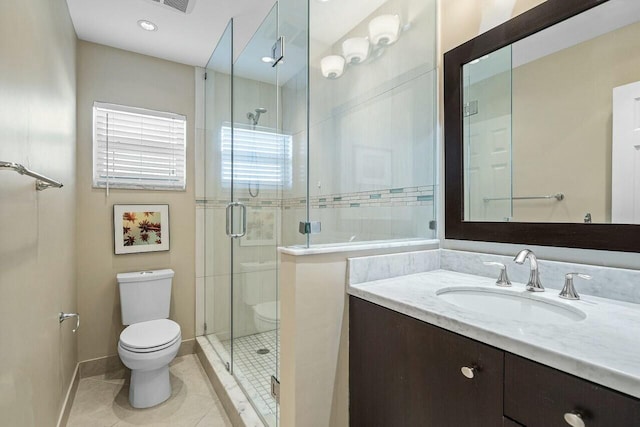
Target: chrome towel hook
point(65, 316)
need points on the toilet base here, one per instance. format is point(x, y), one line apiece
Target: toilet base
point(149, 388)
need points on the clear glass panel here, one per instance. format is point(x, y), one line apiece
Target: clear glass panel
point(293, 80)
point(372, 135)
point(216, 197)
point(261, 160)
point(487, 137)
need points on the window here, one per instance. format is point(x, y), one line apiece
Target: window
point(137, 148)
point(259, 157)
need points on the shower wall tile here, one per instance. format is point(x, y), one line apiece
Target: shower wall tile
point(200, 305)
point(200, 240)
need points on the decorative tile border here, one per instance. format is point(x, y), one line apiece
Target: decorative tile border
point(393, 197)
point(402, 196)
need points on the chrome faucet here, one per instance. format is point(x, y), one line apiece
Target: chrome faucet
point(533, 284)
point(569, 291)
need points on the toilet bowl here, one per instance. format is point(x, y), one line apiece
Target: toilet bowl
point(151, 340)
point(259, 285)
point(266, 315)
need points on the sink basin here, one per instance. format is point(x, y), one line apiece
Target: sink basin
point(511, 305)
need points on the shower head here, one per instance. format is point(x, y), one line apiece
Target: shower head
point(256, 117)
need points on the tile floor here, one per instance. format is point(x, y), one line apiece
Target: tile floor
point(255, 369)
point(103, 401)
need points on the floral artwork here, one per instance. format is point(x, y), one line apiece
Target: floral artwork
point(261, 227)
point(143, 228)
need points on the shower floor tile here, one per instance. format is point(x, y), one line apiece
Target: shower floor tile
point(104, 401)
point(254, 370)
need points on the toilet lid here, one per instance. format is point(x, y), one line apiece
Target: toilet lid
point(154, 333)
point(267, 310)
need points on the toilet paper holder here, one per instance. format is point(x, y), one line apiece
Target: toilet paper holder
point(65, 316)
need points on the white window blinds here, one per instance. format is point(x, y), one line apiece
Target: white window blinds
point(137, 148)
point(260, 156)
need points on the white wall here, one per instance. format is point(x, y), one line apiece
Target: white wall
point(38, 248)
point(112, 75)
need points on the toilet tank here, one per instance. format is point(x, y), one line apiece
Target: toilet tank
point(145, 295)
point(258, 282)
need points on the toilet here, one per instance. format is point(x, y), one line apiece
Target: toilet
point(150, 341)
point(259, 292)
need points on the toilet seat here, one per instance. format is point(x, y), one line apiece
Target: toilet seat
point(268, 311)
point(150, 336)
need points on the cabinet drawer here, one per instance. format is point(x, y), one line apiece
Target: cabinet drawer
point(536, 395)
point(404, 372)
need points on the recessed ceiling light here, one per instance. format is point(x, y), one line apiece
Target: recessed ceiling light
point(267, 59)
point(147, 25)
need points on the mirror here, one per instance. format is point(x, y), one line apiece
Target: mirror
point(542, 128)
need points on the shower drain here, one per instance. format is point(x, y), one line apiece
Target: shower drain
point(263, 351)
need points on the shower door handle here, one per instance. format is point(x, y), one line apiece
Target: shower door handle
point(243, 230)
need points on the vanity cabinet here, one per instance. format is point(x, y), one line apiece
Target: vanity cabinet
point(536, 395)
point(405, 372)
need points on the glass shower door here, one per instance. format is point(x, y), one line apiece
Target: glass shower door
point(217, 247)
point(256, 169)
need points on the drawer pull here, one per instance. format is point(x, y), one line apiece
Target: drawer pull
point(468, 372)
point(574, 419)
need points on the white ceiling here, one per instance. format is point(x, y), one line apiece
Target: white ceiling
point(185, 38)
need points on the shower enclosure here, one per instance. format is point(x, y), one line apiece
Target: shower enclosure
point(320, 131)
point(245, 153)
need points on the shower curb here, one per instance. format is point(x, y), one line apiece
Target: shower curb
point(234, 401)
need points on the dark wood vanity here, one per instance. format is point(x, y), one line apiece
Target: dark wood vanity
point(405, 372)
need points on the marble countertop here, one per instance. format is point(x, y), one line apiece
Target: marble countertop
point(603, 348)
point(357, 246)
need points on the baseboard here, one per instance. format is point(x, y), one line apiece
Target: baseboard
point(109, 365)
point(234, 402)
point(68, 400)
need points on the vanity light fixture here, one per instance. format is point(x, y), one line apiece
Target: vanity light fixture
point(475, 61)
point(147, 25)
point(332, 66)
point(355, 50)
point(384, 29)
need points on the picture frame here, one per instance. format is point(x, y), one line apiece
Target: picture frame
point(140, 228)
point(261, 227)
point(372, 166)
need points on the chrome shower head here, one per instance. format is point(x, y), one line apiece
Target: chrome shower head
point(256, 117)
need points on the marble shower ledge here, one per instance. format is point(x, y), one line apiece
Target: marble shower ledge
point(603, 348)
point(356, 246)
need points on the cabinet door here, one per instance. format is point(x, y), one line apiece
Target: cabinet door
point(536, 395)
point(404, 372)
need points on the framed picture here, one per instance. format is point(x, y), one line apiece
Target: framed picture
point(372, 166)
point(140, 228)
point(261, 227)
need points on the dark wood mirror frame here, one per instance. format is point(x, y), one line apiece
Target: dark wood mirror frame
point(615, 237)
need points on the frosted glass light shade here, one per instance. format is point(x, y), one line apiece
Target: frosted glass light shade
point(355, 50)
point(332, 66)
point(384, 29)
